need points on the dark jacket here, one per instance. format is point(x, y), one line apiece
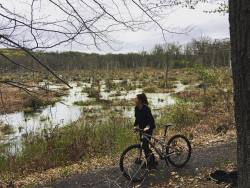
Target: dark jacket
point(144, 117)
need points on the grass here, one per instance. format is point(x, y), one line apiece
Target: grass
point(74, 142)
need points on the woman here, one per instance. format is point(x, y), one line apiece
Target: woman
point(145, 120)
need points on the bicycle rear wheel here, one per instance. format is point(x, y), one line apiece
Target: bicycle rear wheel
point(178, 151)
point(133, 163)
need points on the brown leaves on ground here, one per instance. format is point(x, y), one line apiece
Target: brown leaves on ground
point(63, 172)
point(199, 180)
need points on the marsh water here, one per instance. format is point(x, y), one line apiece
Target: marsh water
point(65, 111)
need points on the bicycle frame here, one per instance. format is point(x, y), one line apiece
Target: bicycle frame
point(161, 142)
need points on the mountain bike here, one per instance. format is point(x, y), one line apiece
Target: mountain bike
point(176, 151)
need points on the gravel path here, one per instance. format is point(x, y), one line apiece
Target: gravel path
point(111, 177)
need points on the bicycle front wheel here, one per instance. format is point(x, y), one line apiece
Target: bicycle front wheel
point(133, 163)
point(178, 151)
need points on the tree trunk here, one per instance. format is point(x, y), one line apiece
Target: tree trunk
point(239, 16)
point(166, 74)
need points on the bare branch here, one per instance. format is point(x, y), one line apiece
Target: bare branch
point(36, 59)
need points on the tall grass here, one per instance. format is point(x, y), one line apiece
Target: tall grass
point(60, 146)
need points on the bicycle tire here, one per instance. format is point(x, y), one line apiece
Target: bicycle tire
point(125, 173)
point(170, 160)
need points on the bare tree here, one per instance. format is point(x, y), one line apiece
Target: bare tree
point(88, 23)
point(39, 25)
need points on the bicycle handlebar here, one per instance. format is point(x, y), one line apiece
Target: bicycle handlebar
point(138, 129)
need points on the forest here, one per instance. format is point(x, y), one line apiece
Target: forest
point(205, 51)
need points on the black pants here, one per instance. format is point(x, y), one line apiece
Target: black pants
point(147, 151)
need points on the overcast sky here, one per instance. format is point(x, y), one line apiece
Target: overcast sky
point(203, 24)
point(215, 26)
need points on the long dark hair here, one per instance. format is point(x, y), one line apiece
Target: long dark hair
point(143, 98)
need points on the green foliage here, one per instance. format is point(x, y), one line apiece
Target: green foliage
point(181, 115)
point(206, 75)
point(217, 84)
point(218, 78)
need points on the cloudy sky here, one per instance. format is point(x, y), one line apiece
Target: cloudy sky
point(215, 26)
point(202, 24)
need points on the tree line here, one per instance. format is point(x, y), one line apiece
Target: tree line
point(205, 51)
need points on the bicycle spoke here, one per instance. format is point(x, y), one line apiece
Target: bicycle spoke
point(138, 171)
point(134, 164)
point(178, 151)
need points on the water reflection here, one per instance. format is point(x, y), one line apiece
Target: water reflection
point(65, 112)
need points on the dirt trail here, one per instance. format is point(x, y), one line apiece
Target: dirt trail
point(111, 177)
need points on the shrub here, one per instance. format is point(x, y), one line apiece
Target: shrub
point(181, 114)
point(84, 103)
point(185, 82)
point(93, 92)
point(150, 89)
point(33, 102)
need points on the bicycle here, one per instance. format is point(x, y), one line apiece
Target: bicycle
point(133, 163)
